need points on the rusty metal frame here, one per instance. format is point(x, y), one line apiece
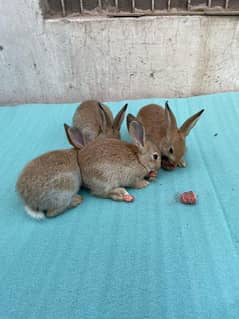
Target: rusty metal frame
point(225, 11)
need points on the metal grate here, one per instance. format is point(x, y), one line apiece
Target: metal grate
point(124, 8)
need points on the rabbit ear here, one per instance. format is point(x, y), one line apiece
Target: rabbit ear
point(170, 120)
point(119, 118)
point(105, 119)
point(130, 118)
point(136, 131)
point(190, 123)
point(74, 136)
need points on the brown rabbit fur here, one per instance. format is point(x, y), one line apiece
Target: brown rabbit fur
point(95, 123)
point(161, 126)
point(48, 185)
point(109, 165)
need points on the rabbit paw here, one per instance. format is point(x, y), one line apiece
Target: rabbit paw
point(141, 184)
point(75, 201)
point(120, 194)
point(182, 163)
point(128, 198)
point(57, 211)
point(152, 176)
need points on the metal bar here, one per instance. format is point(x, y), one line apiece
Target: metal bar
point(152, 5)
point(132, 5)
point(100, 4)
point(226, 4)
point(209, 3)
point(169, 4)
point(170, 13)
point(81, 6)
point(117, 5)
point(189, 4)
point(63, 8)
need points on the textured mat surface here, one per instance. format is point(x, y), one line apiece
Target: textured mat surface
point(154, 258)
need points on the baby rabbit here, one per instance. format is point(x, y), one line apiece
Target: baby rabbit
point(48, 185)
point(92, 122)
point(161, 126)
point(109, 165)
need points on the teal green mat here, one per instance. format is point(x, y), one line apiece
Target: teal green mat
point(154, 258)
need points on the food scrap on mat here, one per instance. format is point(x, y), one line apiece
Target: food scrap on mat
point(188, 198)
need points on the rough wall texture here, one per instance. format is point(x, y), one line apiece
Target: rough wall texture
point(69, 60)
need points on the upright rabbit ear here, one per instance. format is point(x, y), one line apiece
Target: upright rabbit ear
point(190, 123)
point(130, 118)
point(105, 119)
point(119, 118)
point(136, 131)
point(170, 120)
point(74, 136)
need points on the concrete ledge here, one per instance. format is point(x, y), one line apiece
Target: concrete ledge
point(72, 59)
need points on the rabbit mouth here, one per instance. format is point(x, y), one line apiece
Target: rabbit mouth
point(167, 164)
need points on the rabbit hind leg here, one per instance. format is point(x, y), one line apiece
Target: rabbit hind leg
point(75, 201)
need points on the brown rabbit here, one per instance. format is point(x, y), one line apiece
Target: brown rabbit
point(48, 185)
point(93, 122)
point(109, 165)
point(161, 126)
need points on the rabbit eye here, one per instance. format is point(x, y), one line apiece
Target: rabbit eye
point(155, 156)
point(171, 150)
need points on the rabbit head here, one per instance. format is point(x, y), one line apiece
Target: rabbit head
point(148, 153)
point(173, 144)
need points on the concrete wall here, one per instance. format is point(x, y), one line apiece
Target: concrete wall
point(111, 59)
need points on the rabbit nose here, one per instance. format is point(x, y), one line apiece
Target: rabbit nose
point(165, 158)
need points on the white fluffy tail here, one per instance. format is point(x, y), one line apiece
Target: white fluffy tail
point(33, 214)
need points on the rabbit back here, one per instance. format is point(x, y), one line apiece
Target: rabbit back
point(49, 181)
point(110, 163)
point(87, 118)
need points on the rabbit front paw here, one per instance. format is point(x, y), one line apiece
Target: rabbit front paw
point(120, 194)
point(182, 163)
point(140, 184)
